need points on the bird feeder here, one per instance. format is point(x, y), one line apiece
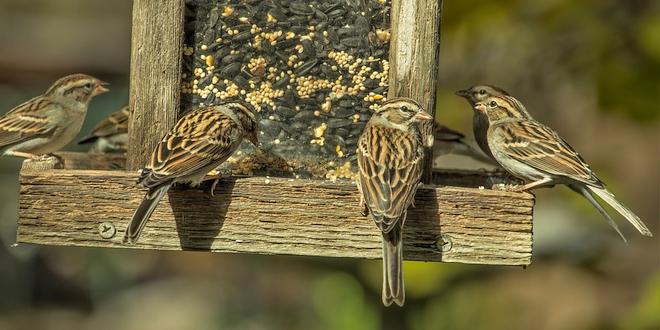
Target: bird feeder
point(314, 70)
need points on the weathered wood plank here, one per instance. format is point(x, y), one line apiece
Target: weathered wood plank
point(415, 56)
point(77, 161)
point(273, 216)
point(155, 90)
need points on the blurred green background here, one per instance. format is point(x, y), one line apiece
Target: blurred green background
point(590, 69)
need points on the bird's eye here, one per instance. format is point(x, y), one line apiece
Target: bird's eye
point(482, 92)
point(404, 108)
point(88, 85)
point(492, 104)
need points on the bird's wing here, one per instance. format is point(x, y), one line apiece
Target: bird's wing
point(540, 147)
point(25, 121)
point(116, 123)
point(200, 139)
point(390, 165)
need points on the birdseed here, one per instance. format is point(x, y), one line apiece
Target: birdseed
point(314, 71)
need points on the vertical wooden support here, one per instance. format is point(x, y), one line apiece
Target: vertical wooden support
point(155, 91)
point(414, 56)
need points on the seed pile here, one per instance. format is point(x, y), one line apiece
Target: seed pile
point(313, 70)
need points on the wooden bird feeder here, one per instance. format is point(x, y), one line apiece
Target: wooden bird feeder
point(84, 200)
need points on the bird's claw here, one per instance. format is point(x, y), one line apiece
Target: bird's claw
point(365, 210)
point(215, 182)
point(216, 176)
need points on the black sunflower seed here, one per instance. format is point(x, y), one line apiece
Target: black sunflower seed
point(300, 8)
point(242, 36)
point(230, 59)
point(353, 42)
point(306, 67)
point(282, 82)
point(286, 111)
point(339, 122)
point(230, 70)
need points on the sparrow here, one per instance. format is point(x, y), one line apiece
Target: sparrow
point(198, 143)
point(109, 135)
point(536, 154)
point(479, 93)
point(449, 141)
point(390, 156)
point(50, 121)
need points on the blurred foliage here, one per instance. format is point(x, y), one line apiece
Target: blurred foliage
point(646, 314)
point(612, 44)
point(339, 302)
point(589, 68)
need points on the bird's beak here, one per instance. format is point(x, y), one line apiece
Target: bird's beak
point(422, 116)
point(480, 107)
point(463, 93)
point(100, 89)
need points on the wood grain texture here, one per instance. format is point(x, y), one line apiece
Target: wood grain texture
point(77, 161)
point(414, 57)
point(273, 216)
point(155, 82)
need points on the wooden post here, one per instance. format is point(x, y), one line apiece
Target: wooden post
point(414, 56)
point(155, 91)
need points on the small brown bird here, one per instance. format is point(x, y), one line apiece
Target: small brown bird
point(478, 93)
point(390, 157)
point(109, 135)
point(198, 143)
point(50, 121)
point(536, 153)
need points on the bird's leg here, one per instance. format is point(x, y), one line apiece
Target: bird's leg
point(216, 176)
point(22, 154)
point(363, 205)
point(533, 184)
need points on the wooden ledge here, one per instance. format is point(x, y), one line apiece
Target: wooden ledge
point(76, 161)
point(272, 216)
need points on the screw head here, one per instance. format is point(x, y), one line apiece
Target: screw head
point(107, 230)
point(444, 243)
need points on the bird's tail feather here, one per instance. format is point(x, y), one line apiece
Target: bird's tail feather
point(587, 194)
point(609, 198)
point(393, 289)
point(143, 212)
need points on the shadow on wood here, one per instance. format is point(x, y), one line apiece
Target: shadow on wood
point(198, 232)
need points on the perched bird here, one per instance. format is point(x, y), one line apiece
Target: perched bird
point(50, 121)
point(535, 153)
point(198, 143)
point(390, 157)
point(478, 93)
point(449, 141)
point(110, 135)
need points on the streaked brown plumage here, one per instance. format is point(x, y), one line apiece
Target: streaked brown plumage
point(390, 158)
point(536, 153)
point(478, 93)
point(50, 121)
point(109, 135)
point(198, 143)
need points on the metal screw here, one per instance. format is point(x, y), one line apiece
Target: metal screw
point(444, 243)
point(107, 230)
